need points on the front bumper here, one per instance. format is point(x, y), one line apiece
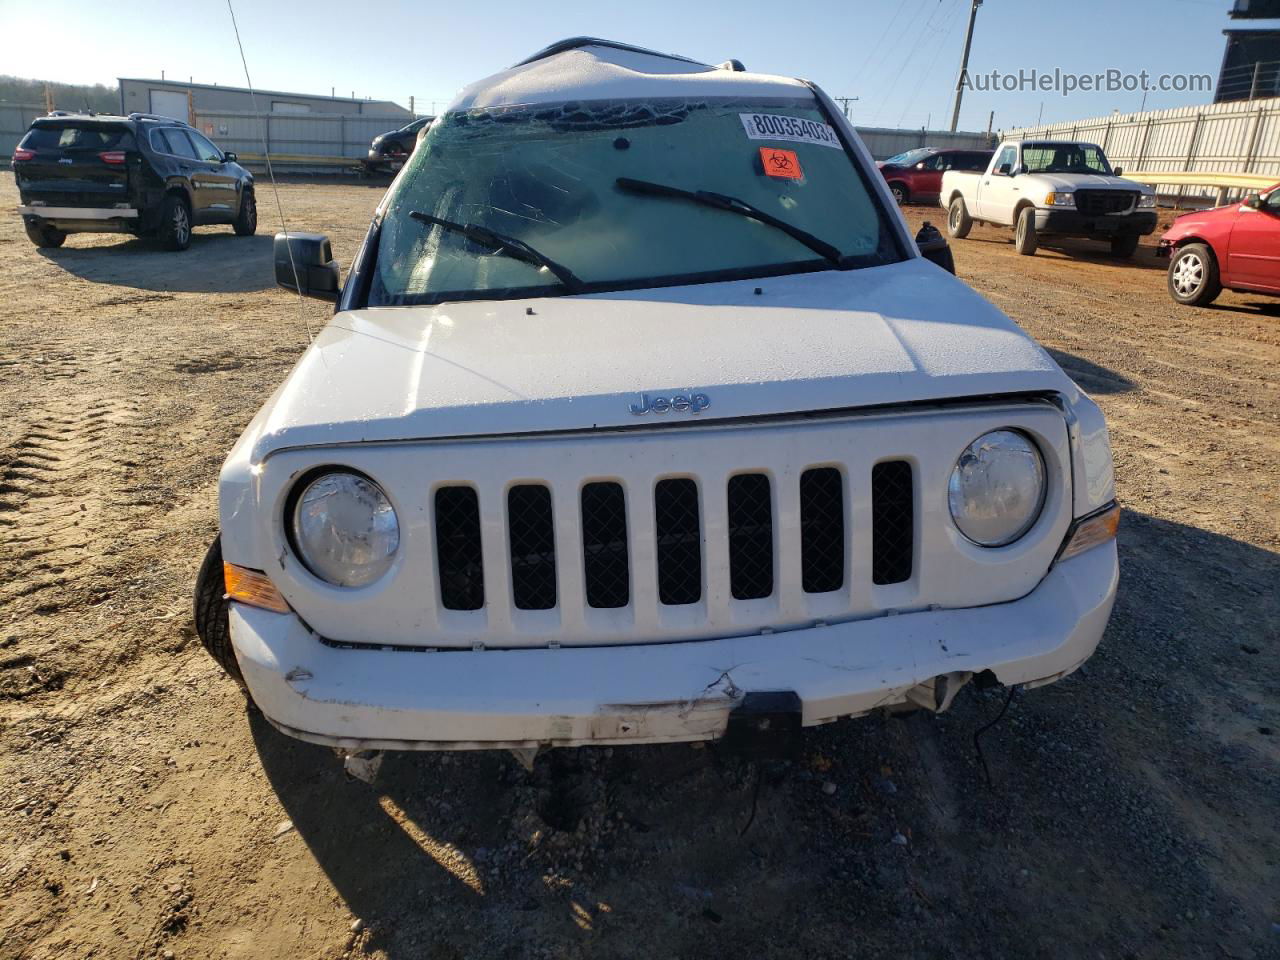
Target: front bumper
point(1073, 223)
point(570, 696)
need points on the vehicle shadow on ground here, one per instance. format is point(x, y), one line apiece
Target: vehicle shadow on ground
point(1258, 308)
point(886, 824)
point(1091, 377)
point(216, 262)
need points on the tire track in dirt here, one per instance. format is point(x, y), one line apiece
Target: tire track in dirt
point(64, 491)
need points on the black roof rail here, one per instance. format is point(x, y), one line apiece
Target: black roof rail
point(156, 117)
point(577, 43)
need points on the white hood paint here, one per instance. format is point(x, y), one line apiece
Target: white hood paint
point(1087, 181)
point(900, 333)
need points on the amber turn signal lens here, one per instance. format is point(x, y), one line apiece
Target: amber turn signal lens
point(1092, 531)
point(253, 588)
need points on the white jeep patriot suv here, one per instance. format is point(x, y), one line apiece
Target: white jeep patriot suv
point(642, 417)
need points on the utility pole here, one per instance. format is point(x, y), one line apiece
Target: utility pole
point(844, 102)
point(411, 104)
point(964, 64)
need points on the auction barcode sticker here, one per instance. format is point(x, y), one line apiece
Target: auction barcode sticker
point(771, 126)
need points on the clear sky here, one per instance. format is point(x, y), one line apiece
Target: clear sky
point(899, 57)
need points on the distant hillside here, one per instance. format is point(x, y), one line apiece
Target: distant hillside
point(66, 96)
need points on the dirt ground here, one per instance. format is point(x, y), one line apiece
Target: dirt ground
point(1133, 810)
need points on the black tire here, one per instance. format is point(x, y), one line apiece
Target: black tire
point(1125, 245)
point(213, 626)
point(174, 230)
point(959, 223)
point(1193, 276)
point(899, 192)
point(246, 222)
point(42, 235)
point(1025, 239)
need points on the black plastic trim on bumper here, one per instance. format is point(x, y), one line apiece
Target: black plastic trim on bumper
point(1074, 223)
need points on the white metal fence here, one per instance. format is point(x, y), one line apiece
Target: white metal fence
point(1241, 136)
point(336, 135)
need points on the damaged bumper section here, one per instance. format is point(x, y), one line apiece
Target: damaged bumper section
point(367, 699)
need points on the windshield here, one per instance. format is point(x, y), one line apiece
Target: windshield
point(548, 177)
point(1064, 158)
point(910, 158)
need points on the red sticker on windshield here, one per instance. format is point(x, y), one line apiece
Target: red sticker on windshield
point(780, 163)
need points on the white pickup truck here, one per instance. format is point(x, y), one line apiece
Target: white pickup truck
point(1043, 188)
point(643, 417)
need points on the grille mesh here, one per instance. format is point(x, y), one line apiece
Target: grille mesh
point(533, 547)
point(750, 537)
point(1105, 201)
point(679, 541)
point(604, 545)
point(892, 522)
point(458, 548)
point(821, 530)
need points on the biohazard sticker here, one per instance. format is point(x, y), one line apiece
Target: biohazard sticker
point(772, 126)
point(780, 163)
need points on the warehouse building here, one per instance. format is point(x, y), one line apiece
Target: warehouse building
point(168, 98)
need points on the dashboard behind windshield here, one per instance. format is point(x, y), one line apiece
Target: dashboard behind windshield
point(547, 176)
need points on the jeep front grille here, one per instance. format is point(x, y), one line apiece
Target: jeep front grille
point(892, 522)
point(533, 547)
point(750, 535)
point(459, 557)
point(605, 560)
point(678, 534)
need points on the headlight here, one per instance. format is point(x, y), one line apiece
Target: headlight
point(345, 529)
point(1060, 199)
point(997, 488)
point(1147, 200)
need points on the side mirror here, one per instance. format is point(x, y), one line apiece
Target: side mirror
point(1005, 169)
point(229, 157)
point(317, 273)
point(1018, 170)
point(1118, 171)
point(920, 165)
point(933, 247)
point(1253, 201)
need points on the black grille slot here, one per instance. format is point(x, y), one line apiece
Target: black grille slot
point(750, 537)
point(1097, 202)
point(821, 530)
point(679, 541)
point(892, 522)
point(458, 548)
point(533, 547)
point(604, 545)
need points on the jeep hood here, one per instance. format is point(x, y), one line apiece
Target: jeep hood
point(894, 334)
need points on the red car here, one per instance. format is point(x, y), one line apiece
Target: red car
point(1236, 246)
point(916, 176)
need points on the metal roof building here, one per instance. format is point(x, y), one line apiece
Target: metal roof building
point(171, 98)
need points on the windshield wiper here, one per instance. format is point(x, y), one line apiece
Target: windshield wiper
point(507, 246)
point(721, 202)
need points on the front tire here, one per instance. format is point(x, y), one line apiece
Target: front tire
point(1025, 239)
point(174, 231)
point(1193, 276)
point(246, 222)
point(899, 193)
point(1124, 246)
point(43, 235)
point(213, 626)
point(959, 223)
